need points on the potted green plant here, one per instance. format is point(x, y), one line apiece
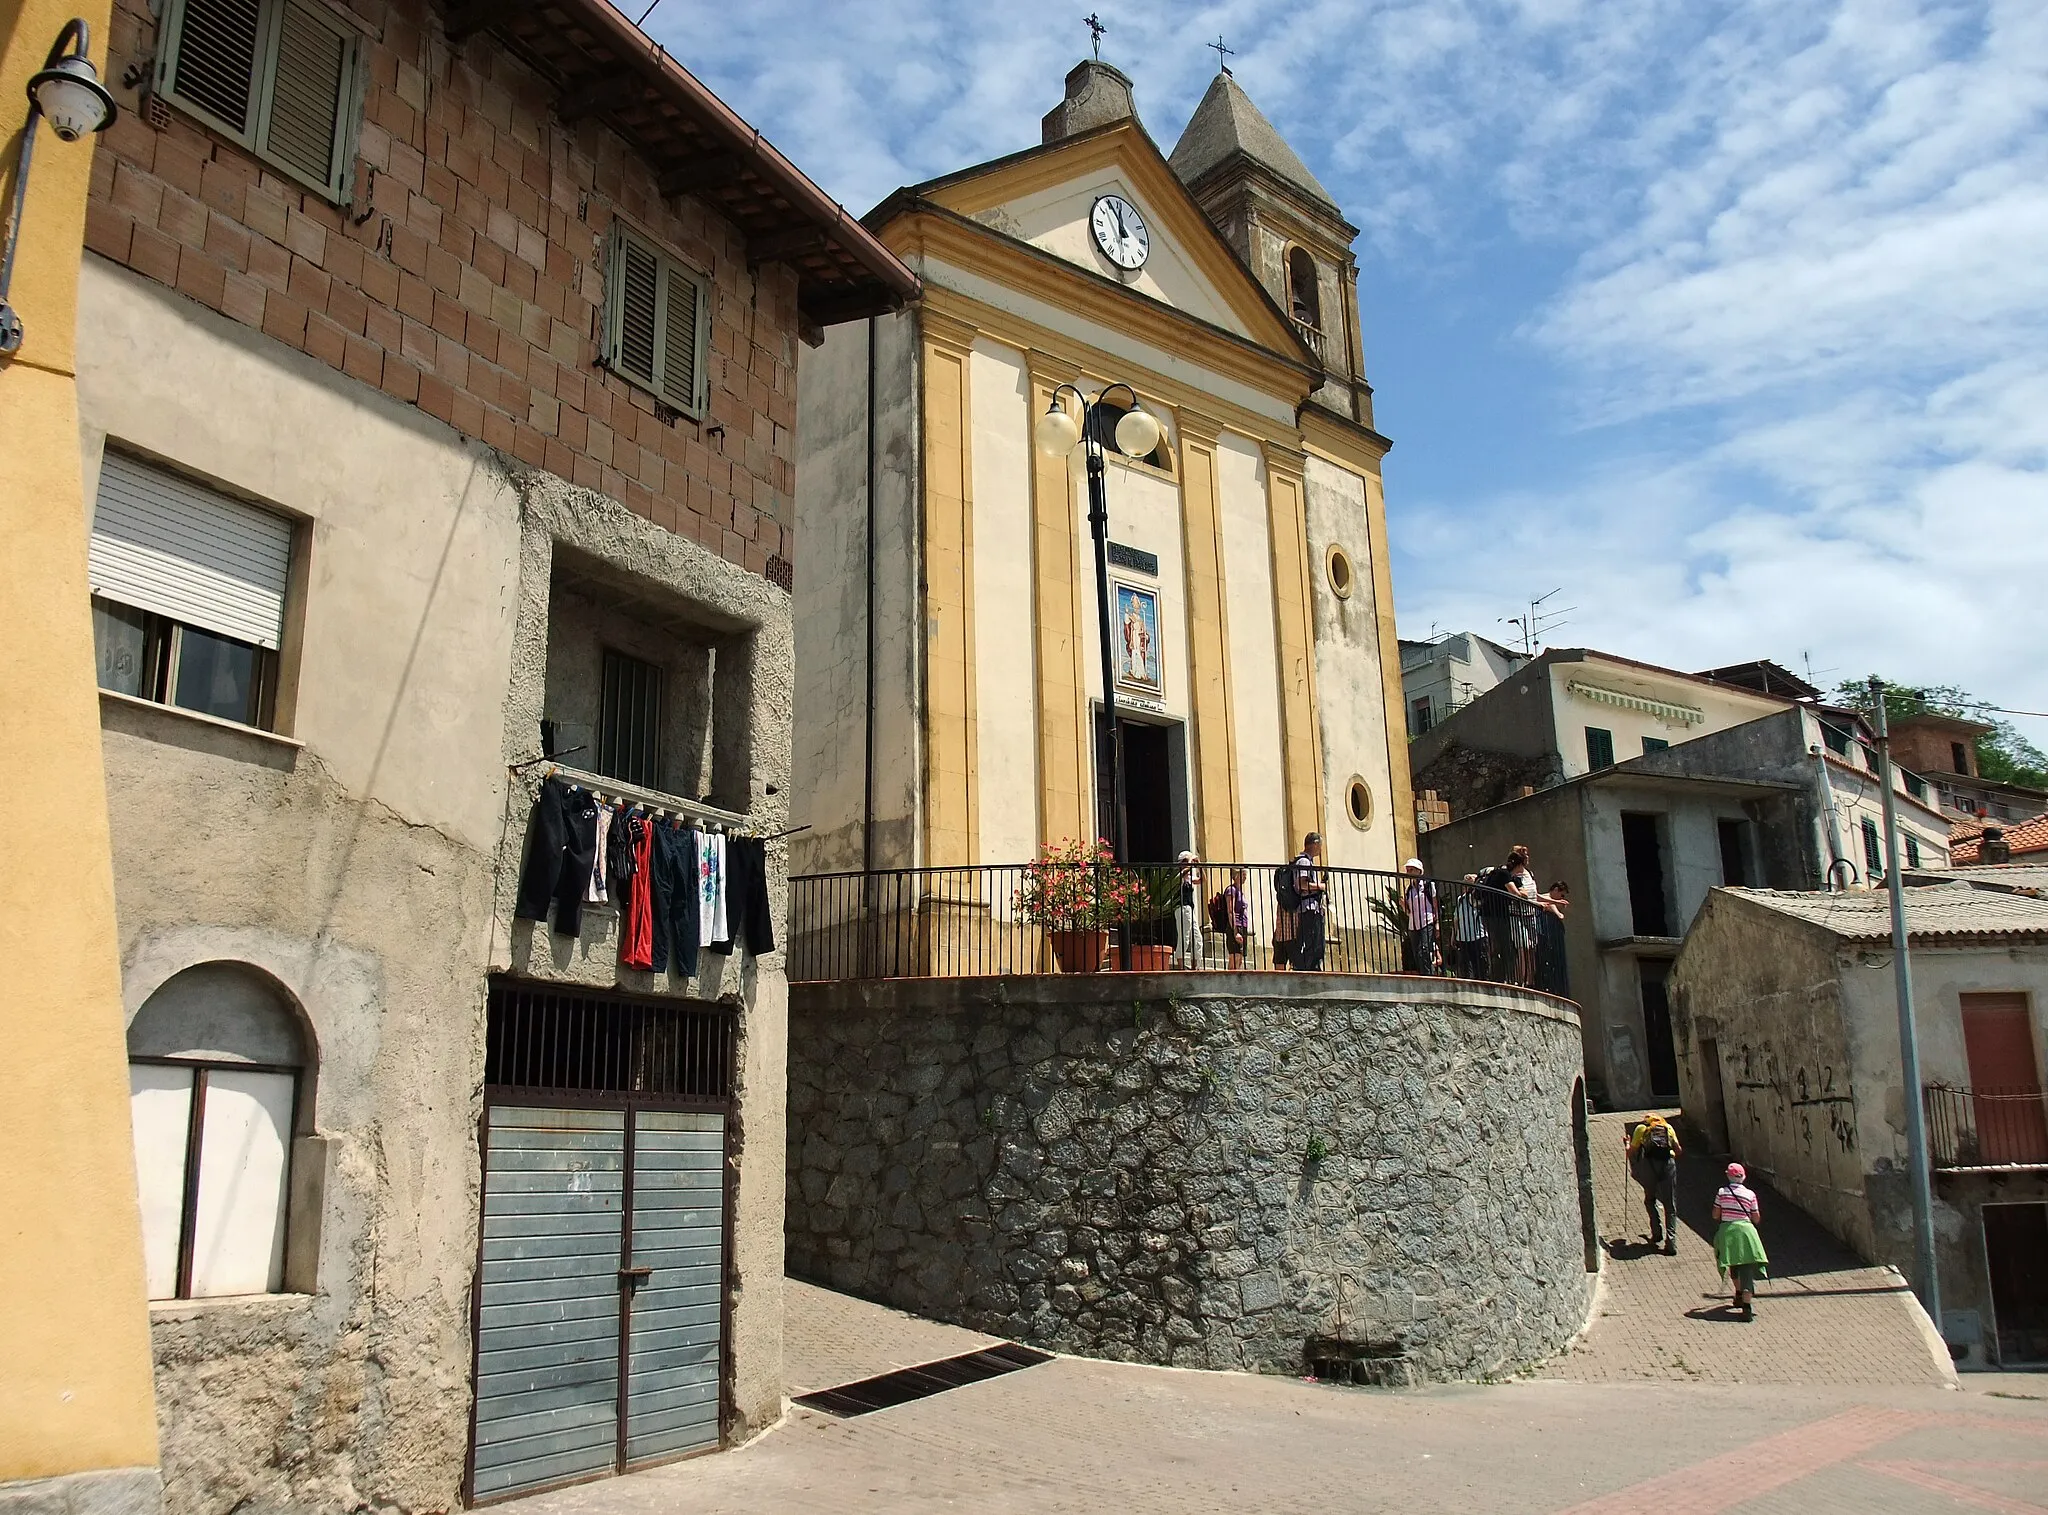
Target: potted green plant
point(1075, 890)
point(1148, 901)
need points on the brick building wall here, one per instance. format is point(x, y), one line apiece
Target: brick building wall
point(466, 276)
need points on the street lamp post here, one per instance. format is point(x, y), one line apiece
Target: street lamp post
point(1137, 433)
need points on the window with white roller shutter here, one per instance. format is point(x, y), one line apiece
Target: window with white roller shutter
point(188, 590)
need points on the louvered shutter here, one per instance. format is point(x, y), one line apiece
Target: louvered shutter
point(635, 274)
point(164, 544)
point(212, 62)
point(309, 84)
point(680, 299)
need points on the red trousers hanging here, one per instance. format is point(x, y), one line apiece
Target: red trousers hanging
point(636, 937)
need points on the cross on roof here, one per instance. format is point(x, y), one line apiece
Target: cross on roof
point(1095, 31)
point(1221, 50)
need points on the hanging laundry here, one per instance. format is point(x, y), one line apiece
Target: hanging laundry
point(752, 922)
point(595, 894)
point(711, 929)
point(618, 863)
point(636, 932)
point(561, 844)
point(675, 900)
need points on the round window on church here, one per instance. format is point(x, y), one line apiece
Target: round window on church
point(1358, 803)
point(1340, 572)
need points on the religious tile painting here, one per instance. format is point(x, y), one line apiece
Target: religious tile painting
point(1135, 628)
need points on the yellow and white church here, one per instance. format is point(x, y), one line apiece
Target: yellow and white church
point(948, 679)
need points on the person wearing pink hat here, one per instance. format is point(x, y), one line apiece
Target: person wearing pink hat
point(1737, 1247)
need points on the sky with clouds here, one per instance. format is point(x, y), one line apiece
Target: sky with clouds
point(1728, 318)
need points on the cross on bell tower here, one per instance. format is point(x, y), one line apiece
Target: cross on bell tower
point(1095, 31)
point(1221, 52)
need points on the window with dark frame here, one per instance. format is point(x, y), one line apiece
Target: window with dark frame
point(1734, 853)
point(629, 721)
point(1873, 850)
point(1655, 744)
point(1960, 756)
point(1421, 716)
point(1599, 747)
point(1912, 850)
point(282, 77)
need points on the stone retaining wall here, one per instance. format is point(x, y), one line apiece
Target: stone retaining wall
point(1210, 1170)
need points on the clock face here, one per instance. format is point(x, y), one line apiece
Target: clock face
point(1120, 232)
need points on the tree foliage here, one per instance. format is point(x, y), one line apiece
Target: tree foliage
point(2003, 754)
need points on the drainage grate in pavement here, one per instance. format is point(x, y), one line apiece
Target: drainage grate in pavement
point(906, 1384)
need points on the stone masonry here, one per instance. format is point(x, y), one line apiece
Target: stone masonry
point(1206, 1170)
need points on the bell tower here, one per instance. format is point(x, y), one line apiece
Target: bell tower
point(1260, 195)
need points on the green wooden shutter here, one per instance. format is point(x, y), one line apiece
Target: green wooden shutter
point(310, 83)
point(211, 59)
point(634, 276)
point(681, 301)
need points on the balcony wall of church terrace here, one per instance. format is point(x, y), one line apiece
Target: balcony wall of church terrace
point(1379, 1178)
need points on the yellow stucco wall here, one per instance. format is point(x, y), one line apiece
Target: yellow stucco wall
point(75, 1384)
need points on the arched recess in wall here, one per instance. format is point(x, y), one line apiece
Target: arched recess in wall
point(221, 1068)
point(1304, 289)
point(1582, 1159)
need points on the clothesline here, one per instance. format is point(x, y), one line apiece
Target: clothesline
point(607, 789)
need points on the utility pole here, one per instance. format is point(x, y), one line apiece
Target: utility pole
point(1927, 1282)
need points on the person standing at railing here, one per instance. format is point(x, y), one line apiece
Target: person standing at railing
point(1522, 894)
point(1230, 912)
point(1551, 976)
point(1187, 914)
point(1418, 904)
point(1310, 927)
point(1468, 932)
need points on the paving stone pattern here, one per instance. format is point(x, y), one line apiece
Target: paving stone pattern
point(1823, 1317)
point(1068, 1163)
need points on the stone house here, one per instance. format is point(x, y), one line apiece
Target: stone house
point(950, 661)
point(437, 394)
point(1450, 672)
point(1769, 802)
point(1943, 749)
point(1786, 1020)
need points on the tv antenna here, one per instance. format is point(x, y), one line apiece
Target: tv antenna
point(1536, 621)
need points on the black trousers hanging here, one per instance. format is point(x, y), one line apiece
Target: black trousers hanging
point(561, 845)
point(675, 899)
point(747, 915)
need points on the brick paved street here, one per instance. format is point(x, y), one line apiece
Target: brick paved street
point(1830, 1402)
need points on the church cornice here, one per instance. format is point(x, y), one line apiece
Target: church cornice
point(920, 227)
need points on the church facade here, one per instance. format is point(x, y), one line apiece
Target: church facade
point(948, 676)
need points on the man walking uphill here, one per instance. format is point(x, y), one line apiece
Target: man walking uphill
point(1653, 1153)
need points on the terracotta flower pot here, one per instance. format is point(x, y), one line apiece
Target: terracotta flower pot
point(1151, 959)
point(1078, 951)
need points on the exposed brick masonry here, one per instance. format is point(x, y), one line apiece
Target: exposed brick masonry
point(472, 287)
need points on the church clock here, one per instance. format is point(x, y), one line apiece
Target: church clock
point(1120, 232)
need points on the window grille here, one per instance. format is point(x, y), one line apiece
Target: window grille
point(541, 1041)
point(282, 77)
point(629, 721)
point(657, 321)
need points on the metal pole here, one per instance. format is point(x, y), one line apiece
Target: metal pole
point(1111, 740)
point(1927, 1282)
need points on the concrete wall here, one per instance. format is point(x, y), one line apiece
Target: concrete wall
point(365, 863)
point(1126, 1166)
point(1763, 988)
point(1349, 685)
point(77, 1425)
point(1512, 717)
point(1254, 651)
point(829, 754)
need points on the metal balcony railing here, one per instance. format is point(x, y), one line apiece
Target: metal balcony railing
point(1986, 1128)
point(1064, 918)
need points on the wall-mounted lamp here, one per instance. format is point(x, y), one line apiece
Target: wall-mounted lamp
point(66, 90)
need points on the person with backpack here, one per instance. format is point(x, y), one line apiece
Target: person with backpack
point(1230, 916)
point(1738, 1250)
point(1286, 917)
point(1653, 1152)
point(1309, 926)
point(1468, 932)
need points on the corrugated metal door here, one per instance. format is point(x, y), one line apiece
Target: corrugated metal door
point(548, 1301)
point(678, 1236)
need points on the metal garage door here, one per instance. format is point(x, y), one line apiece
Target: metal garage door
point(600, 1281)
point(672, 1366)
point(547, 1358)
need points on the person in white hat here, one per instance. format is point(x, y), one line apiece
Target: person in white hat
point(1187, 914)
point(1418, 900)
